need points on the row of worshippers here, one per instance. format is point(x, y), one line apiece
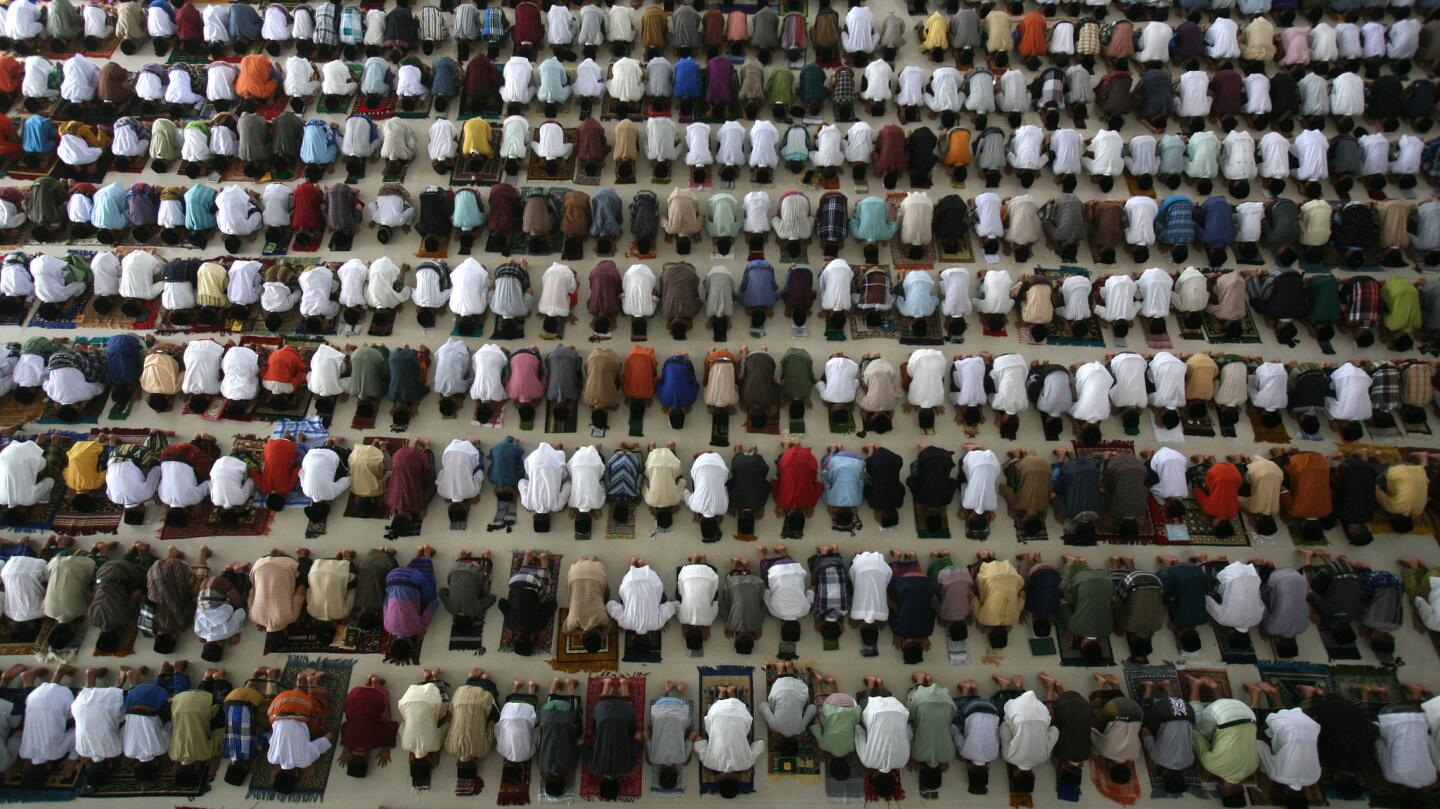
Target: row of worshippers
point(138, 725)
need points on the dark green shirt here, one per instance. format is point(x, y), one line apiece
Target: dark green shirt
point(407, 382)
point(369, 376)
point(1324, 298)
point(1086, 608)
point(797, 374)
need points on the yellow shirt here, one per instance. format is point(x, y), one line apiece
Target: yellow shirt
point(475, 138)
point(83, 472)
point(160, 373)
point(211, 282)
point(1409, 490)
point(997, 32)
point(1266, 482)
point(368, 475)
point(997, 599)
point(936, 33)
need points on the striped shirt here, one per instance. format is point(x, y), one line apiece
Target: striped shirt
point(465, 22)
point(432, 24)
point(622, 476)
point(495, 26)
point(325, 22)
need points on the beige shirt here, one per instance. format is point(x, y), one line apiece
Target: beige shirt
point(470, 736)
point(1200, 373)
point(879, 386)
point(627, 141)
point(421, 709)
point(1229, 297)
point(1315, 223)
point(1257, 40)
point(1038, 308)
point(683, 215)
point(368, 475)
point(1394, 216)
point(331, 596)
point(586, 583)
point(662, 479)
point(1266, 480)
point(160, 373)
point(1024, 215)
point(275, 598)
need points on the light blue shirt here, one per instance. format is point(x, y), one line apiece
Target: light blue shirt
point(318, 145)
point(844, 478)
point(110, 208)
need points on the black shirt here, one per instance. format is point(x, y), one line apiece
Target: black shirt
point(749, 483)
point(1354, 491)
point(1347, 736)
point(932, 477)
point(882, 480)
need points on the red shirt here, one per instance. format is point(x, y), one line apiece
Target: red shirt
point(308, 201)
point(200, 455)
point(189, 25)
point(796, 484)
point(280, 471)
point(285, 365)
point(1032, 35)
point(527, 29)
point(1223, 498)
point(890, 149)
point(367, 719)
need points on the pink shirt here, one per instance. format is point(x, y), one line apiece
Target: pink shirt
point(524, 384)
point(1295, 41)
point(737, 29)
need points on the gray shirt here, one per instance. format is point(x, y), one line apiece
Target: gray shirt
point(562, 375)
point(685, 28)
point(613, 753)
point(789, 709)
point(464, 592)
point(743, 603)
point(1287, 612)
point(1063, 219)
point(718, 290)
point(1170, 745)
point(765, 29)
point(558, 730)
point(670, 725)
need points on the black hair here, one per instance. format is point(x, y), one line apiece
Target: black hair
point(694, 638)
point(1039, 332)
point(1085, 533)
point(667, 776)
point(999, 637)
point(1119, 773)
point(1129, 528)
point(1272, 418)
point(884, 784)
point(1090, 434)
point(609, 789)
point(1265, 524)
point(275, 501)
point(1309, 423)
point(1174, 781)
point(1189, 640)
point(1170, 418)
point(593, 641)
point(1120, 328)
point(913, 654)
point(929, 777)
point(1285, 332)
point(729, 787)
point(1174, 508)
point(286, 781)
point(839, 768)
point(869, 634)
point(830, 630)
point(1225, 530)
point(1092, 653)
point(1130, 418)
point(744, 644)
point(1401, 523)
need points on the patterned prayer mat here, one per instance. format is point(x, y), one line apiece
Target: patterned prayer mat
point(712, 678)
point(545, 638)
point(629, 782)
point(311, 787)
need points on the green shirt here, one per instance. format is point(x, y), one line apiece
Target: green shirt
point(1324, 298)
point(931, 710)
point(1086, 610)
point(369, 376)
point(836, 732)
point(1224, 738)
point(1402, 304)
point(780, 89)
point(797, 374)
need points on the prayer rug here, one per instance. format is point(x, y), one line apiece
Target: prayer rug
point(11, 647)
point(441, 251)
point(629, 782)
point(420, 110)
point(103, 517)
point(803, 757)
point(886, 329)
point(1070, 654)
point(852, 789)
point(771, 426)
point(385, 109)
point(126, 647)
point(963, 254)
point(1231, 652)
point(933, 334)
point(649, 655)
point(65, 319)
point(62, 782)
point(1024, 535)
point(14, 415)
point(1203, 427)
point(871, 796)
point(572, 656)
point(205, 522)
point(335, 676)
point(1126, 794)
point(514, 785)
point(545, 637)
point(491, 169)
point(564, 168)
point(842, 422)
point(382, 322)
point(1215, 331)
point(1269, 435)
point(1197, 530)
point(470, 636)
point(1287, 677)
point(564, 423)
point(125, 783)
point(678, 791)
point(309, 636)
point(942, 532)
point(742, 679)
point(616, 528)
point(90, 414)
point(1336, 646)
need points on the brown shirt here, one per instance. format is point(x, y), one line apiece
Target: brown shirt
point(627, 141)
point(1394, 216)
point(1307, 484)
point(1037, 307)
point(602, 380)
point(683, 216)
point(1107, 223)
point(1200, 373)
point(1027, 484)
point(679, 291)
point(752, 82)
point(537, 220)
point(1229, 291)
point(652, 28)
point(575, 220)
point(585, 582)
point(590, 141)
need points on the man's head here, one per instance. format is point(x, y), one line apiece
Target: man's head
point(1120, 328)
point(1309, 423)
point(744, 644)
point(1170, 418)
point(1130, 419)
point(694, 639)
point(210, 652)
point(275, 501)
point(667, 776)
point(609, 789)
point(995, 322)
point(593, 641)
point(830, 630)
point(1189, 640)
point(401, 649)
point(729, 787)
point(839, 768)
point(1092, 652)
point(523, 646)
point(1120, 773)
point(869, 634)
point(286, 781)
point(1090, 434)
point(889, 518)
point(913, 653)
point(929, 778)
point(1174, 782)
point(999, 637)
point(1265, 525)
point(1129, 528)
point(1286, 332)
point(108, 642)
point(884, 784)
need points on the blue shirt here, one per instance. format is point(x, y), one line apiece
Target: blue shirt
point(687, 79)
point(507, 463)
point(678, 386)
point(110, 208)
point(913, 594)
point(122, 360)
point(445, 78)
point(200, 207)
point(318, 144)
point(844, 479)
point(38, 134)
point(757, 287)
point(148, 697)
point(1217, 222)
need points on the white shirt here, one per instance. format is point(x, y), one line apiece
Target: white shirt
point(126, 486)
point(291, 747)
point(546, 486)
point(877, 77)
point(1118, 293)
point(926, 367)
point(1154, 42)
point(982, 474)
point(994, 297)
point(587, 472)
point(317, 475)
point(1292, 757)
point(987, 216)
point(452, 363)
point(98, 713)
point(833, 286)
point(1403, 750)
point(1106, 154)
point(1240, 606)
point(1140, 220)
point(757, 215)
point(1192, 292)
point(138, 276)
point(829, 146)
point(955, 286)
point(488, 365)
point(859, 142)
point(1351, 401)
point(840, 382)
point(697, 586)
point(1193, 94)
point(882, 739)
point(626, 81)
point(731, 144)
point(707, 495)
point(68, 386)
point(240, 368)
point(1268, 387)
point(515, 731)
point(469, 288)
point(1168, 375)
point(517, 81)
point(1075, 292)
point(785, 595)
point(764, 148)
point(1311, 148)
point(21, 463)
point(640, 608)
point(556, 286)
point(1024, 149)
point(979, 741)
point(1027, 737)
point(461, 472)
point(47, 711)
point(870, 583)
point(859, 32)
point(353, 275)
point(1129, 371)
point(727, 746)
point(661, 142)
point(697, 145)
point(105, 268)
point(638, 297)
point(1065, 147)
point(1154, 287)
point(24, 588)
point(1007, 374)
point(550, 140)
point(325, 376)
point(380, 291)
point(1222, 39)
point(230, 484)
point(1169, 465)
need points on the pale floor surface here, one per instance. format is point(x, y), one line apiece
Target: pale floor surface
point(390, 786)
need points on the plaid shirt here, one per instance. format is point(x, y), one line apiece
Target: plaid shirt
point(1361, 295)
point(325, 21)
point(832, 588)
point(1385, 387)
point(432, 24)
point(531, 576)
point(1087, 38)
point(843, 92)
point(1177, 221)
point(873, 288)
point(89, 363)
point(495, 27)
point(241, 741)
point(1049, 89)
point(352, 25)
point(832, 224)
point(1416, 387)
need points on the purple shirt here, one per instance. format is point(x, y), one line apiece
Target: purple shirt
point(719, 75)
point(410, 598)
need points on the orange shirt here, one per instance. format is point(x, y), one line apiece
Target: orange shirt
point(256, 79)
point(11, 72)
point(1032, 35)
point(279, 470)
point(638, 378)
point(1307, 487)
point(285, 365)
